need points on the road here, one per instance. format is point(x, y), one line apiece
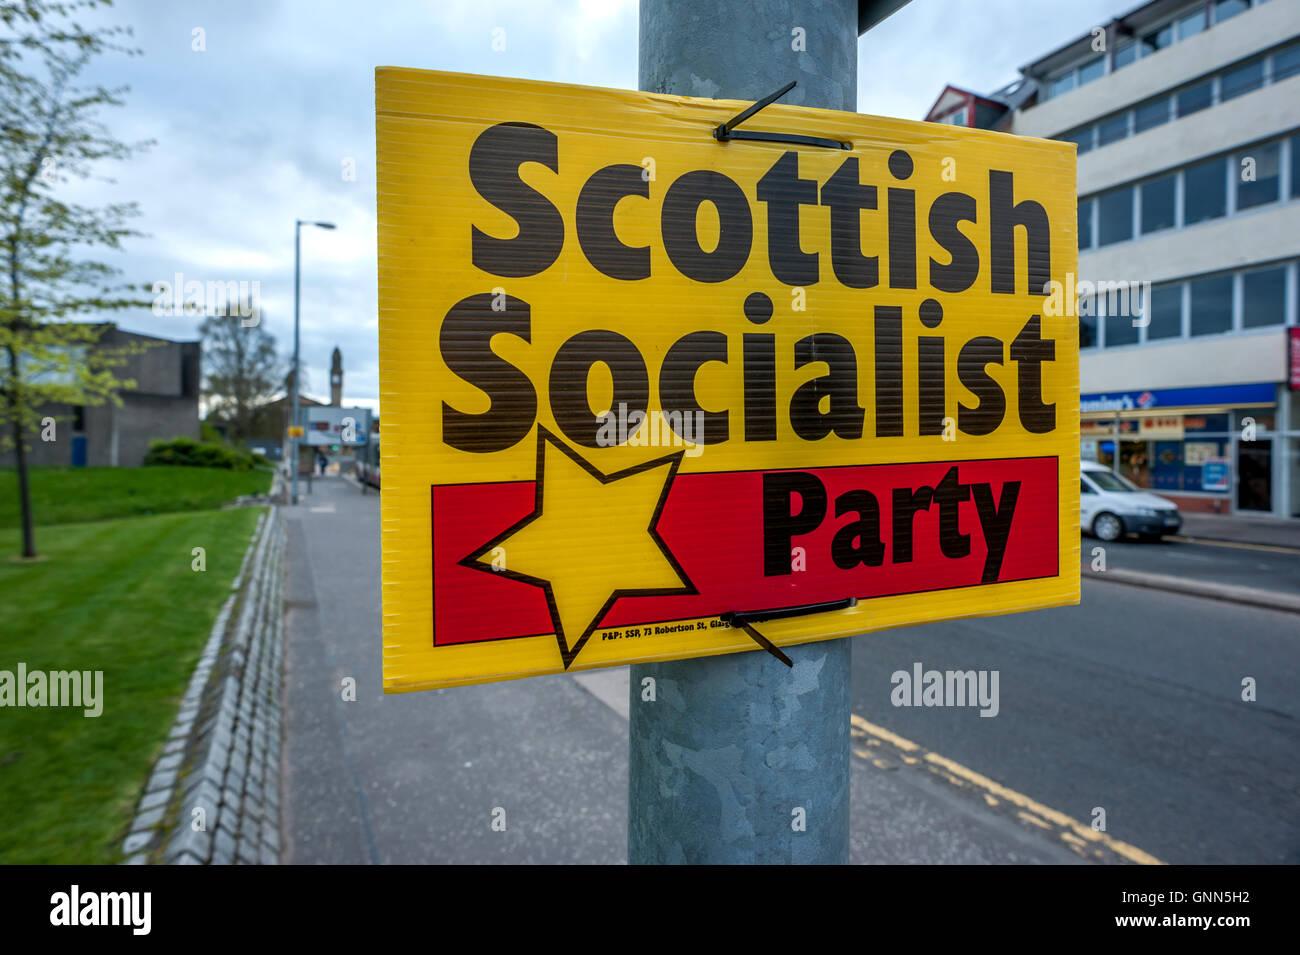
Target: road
point(1130, 702)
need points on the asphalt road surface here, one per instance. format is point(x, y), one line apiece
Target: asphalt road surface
point(1130, 703)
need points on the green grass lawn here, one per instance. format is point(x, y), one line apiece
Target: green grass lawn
point(72, 495)
point(118, 596)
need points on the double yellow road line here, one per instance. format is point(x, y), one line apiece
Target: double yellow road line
point(879, 746)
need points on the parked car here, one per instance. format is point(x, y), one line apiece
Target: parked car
point(1111, 506)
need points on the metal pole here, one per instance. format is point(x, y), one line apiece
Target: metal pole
point(293, 422)
point(734, 746)
point(1114, 459)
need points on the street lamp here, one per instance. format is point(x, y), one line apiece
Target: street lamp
point(297, 233)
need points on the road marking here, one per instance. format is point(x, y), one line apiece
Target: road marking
point(1081, 839)
point(886, 750)
point(1240, 545)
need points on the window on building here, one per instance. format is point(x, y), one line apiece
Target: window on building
point(1295, 166)
point(1264, 297)
point(1120, 330)
point(1286, 63)
point(1154, 113)
point(1087, 325)
point(1166, 465)
point(1085, 224)
point(1205, 191)
point(1206, 424)
point(1125, 53)
point(1080, 137)
point(78, 417)
point(1110, 130)
point(1062, 84)
point(1191, 24)
point(1226, 9)
point(1115, 212)
point(1211, 304)
point(1165, 312)
point(1092, 70)
point(1243, 79)
point(1158, 39)
point(1195, 98)
point(1257, 181)
point(1158, 204)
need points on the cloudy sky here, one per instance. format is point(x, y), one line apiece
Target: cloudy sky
point(254, 130)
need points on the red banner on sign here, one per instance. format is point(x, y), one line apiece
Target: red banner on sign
point(750, 541)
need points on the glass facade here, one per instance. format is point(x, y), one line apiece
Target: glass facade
point(1206, 191)
point(1242, 79)
point(1166, 319)
point(1258, 182)
point(1241, 301)
point(1158, 204)
point(1200, 453)
point(1211, 304)
point(1264, 297)
point(1116, 213)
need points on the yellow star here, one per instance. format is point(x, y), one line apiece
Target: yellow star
point(590, 539)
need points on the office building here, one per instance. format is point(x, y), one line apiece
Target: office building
point(1186, 116)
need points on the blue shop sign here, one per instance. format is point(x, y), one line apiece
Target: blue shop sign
point(1109, 401)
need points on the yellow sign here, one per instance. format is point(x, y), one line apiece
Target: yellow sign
point(648, 394)
point(295, 431)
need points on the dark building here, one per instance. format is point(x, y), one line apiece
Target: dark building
point(163, 404)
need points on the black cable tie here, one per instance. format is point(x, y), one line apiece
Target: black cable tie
point(746, 621)
point(727, 131)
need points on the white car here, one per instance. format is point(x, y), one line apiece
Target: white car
point(1111, 506)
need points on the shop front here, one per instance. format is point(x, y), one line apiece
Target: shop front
point(1208, 449)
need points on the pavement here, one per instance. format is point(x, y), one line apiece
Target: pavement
point(1260, 575)
point(1129, 703)
point(1268, 531)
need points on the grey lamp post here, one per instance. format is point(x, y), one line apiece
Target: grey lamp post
point(297, 234)
point(712, 776)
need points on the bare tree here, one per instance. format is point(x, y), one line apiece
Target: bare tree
point(241, 371)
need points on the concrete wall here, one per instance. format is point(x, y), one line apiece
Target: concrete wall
point(164, 368)
point(145, 418)
point(1214, 360)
